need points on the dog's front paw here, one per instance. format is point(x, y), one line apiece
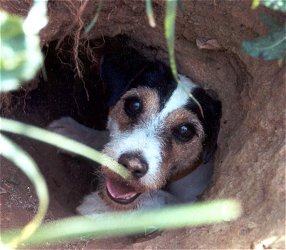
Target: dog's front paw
point(66, 126)
point(70, 128)
point(93, 206)
point(155, 200)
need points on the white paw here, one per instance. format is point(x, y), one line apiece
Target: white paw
point(66, 126)
point(70, 128)
point(155, 199)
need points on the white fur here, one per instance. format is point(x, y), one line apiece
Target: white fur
point(141, 139)
point(189, 188)
point(94, 206)
point(179, 97)
point(144, 137)
point(155, 199)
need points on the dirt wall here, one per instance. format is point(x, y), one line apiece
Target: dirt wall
point(250, 162)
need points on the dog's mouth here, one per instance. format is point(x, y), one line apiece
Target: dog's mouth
point(120, 191)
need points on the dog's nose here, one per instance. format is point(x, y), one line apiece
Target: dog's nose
point(135, 163)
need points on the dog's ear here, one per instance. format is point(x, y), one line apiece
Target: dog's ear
point(117, 70)
point(210, 119)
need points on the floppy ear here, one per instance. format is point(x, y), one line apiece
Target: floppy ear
point(117, 70)
point(210, 119)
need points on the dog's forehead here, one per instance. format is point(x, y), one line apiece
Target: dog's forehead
point(180, 96)
point(159, 101)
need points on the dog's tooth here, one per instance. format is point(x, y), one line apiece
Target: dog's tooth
point(130, 196)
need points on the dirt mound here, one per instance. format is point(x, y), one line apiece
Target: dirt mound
point(250, 162)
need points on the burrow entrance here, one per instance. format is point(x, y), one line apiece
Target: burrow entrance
point(59, 92)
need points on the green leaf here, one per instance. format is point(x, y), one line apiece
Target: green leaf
point(275, 4)
point(13, 52)
point(150, 14)
point(269, 22)
point(170, 19)
point(124, 223)
point(63, 143)
point(24, 161)
point(270, 47)
point(21, 55)
point(37, 18)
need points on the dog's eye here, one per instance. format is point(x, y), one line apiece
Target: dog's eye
point(133, 106)
point(184, 132)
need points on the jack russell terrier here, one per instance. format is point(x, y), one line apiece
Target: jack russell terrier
point(163, 131)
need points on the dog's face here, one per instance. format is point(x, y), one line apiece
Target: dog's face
point(156, 128)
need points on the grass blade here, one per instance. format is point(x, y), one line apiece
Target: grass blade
point(255, 4)
point(169, 23)
point(124, 223)
point(24, 162)
point(170, 18)
point(181, 7)
point(94, 20)
point(150, 14)
point(63, 143)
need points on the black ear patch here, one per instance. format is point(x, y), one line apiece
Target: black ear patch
point(159, 77)
point(210, 119)
point(117, 70)
point(126, 69)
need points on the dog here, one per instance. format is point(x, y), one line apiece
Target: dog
point(162, 130)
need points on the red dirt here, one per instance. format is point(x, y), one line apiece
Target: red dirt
point(250, 162)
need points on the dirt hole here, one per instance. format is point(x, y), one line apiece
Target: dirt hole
point(61, 92)
point(250, 138)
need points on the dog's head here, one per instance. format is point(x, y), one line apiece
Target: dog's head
point(157, 129)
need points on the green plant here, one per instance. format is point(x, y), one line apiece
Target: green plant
point(124, 223)
point(94, 20)
point(23, 61)
point(22, 160)
point(150, 14)
point(272, 46)
point(273, 4)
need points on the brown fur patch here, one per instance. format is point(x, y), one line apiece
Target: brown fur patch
point(181, 155)
point(183, 115)
point(150, 100)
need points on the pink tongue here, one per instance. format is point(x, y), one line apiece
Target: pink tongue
point(119, 190)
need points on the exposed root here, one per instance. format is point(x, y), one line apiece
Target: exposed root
point(80, 45)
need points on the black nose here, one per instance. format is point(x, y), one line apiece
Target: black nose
point(135, 163)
